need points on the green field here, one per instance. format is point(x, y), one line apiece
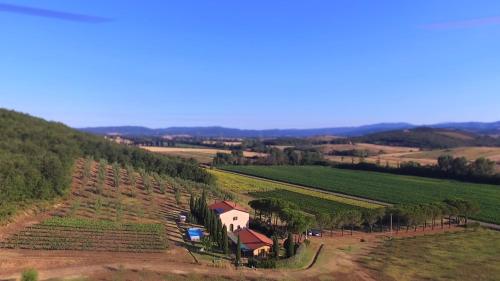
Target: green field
point(307, 203)
point(381, 186)
point(469, 255)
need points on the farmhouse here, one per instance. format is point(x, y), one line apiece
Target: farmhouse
point(252, 242)
point(231, 215)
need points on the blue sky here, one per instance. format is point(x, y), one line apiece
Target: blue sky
point(251, 64)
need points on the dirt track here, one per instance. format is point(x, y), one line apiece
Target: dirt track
point(337, 260)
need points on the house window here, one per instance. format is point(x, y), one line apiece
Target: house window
point(235, 218)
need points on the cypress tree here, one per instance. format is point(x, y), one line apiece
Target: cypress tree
point(238, 251)
point(219, 233)
point(276, 247)
point(225, 242)
point(290, 247)
point(204, 197)
point(191, 204)
point(215, 227)
point(208, 220)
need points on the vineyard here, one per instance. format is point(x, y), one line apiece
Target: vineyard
point(384, 187)
point(307, 203)
point(110, 208)
point(82, 234)
point(309, 200)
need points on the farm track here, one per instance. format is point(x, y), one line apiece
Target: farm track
point(309, 188)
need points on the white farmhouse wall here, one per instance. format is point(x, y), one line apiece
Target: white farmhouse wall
point(235, 219)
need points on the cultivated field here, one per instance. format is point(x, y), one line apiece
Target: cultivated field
point(202, 155)
point(469, 255)
point(381, 186)
point(309, 200)
point(109, 209)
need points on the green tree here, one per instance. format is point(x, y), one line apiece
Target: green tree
point(177, 195)
point(445, 163)
point(191, 204)
point(116, 175)
point(371, 216)
point(322, 220)
point(483, 167)
point(225, 241)
point(238, 251)
point(290, 245)
point(276, 247)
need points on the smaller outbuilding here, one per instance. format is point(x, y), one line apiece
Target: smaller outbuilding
point(253, 243)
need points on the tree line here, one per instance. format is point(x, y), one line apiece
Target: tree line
point(285, 217)
point(275, 156)
point(481, 170)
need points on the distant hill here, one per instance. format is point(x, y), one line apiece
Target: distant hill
point(241, 133)
point(473, 127)
point(425, 137)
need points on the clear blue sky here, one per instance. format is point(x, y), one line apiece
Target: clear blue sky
point(251, 64)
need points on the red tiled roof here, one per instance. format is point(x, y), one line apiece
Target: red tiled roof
point(224, 206)
point(252, 239)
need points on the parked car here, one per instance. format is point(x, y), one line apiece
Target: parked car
point(314, 232)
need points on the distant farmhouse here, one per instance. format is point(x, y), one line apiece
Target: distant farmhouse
point(231, 215)
point(119, 139)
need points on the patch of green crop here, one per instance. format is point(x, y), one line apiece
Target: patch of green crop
point(382, 186)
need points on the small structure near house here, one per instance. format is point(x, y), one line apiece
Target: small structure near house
point(182, 218)
point(253, 243)
point(194, 234)
point(231, 215)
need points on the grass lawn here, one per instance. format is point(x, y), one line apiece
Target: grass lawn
point(382, 186)
point(302, 258)
point(469, 255)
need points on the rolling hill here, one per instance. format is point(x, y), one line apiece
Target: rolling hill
point(37, 157)
point(215, 131)
point(432, 138)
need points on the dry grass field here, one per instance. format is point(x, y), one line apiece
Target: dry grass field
point(466, 255)
point(392, 155)
point(372, 148)
point(202, 155)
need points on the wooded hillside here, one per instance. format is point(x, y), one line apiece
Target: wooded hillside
point(36, 158)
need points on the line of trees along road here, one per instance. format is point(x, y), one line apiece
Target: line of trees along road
point(283, 217)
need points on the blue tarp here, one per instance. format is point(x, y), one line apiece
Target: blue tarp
point(194, 234)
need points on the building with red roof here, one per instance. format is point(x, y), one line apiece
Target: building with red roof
point(253, 243)
point(232, 215)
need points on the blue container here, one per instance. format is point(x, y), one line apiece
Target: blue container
point(194, 234)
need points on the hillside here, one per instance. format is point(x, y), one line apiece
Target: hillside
point(36, 159)
point(425, 137)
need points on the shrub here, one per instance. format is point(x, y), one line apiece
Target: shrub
point(29, 275)
point(264, 263)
